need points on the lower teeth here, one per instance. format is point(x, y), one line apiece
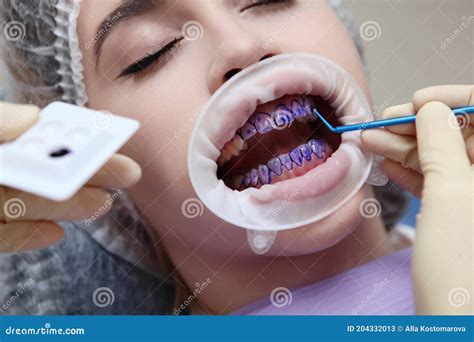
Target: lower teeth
point(316, 151)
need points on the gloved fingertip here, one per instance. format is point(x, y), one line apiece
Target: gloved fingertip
point(433, 111)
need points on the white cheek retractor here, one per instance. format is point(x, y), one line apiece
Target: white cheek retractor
point(294, 202)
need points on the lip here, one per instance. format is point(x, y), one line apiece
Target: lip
point(232, 105)
point(309, 184)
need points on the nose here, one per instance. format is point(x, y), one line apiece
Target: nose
point(235, 55)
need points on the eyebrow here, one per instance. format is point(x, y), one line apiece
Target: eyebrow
point(127, 10)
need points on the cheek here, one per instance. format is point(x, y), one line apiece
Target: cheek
point(167, 117)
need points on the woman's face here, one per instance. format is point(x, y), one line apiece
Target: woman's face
point(123, 76)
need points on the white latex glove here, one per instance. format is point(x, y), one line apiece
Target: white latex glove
point(37, 228)
point(433, 159)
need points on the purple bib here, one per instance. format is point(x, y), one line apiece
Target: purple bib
point(379, 287)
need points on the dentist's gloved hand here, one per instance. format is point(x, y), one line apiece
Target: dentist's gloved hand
point(37, 228)
point(433, 159)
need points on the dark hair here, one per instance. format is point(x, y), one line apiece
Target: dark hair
point(394, 202)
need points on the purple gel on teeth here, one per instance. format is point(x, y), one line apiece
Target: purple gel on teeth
point(296, 156)
point(264, 174)
point(286, 161)
point(317, 147)
point(282, 115)
point(275, 166)
point(254, 177)
point(263, 123)
point(246, 180)
point(298, 110)
point(307, 106)
point(306, 151)
point(248, 131)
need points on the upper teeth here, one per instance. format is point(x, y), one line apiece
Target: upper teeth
point(231, 149)
point(282, 117)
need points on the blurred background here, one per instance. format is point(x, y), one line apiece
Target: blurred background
point(412, 44)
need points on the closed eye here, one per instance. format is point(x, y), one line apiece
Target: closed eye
point(258, 3)
point(150, 59)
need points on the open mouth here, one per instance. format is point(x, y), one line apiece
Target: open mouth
point(281, 140)
point(259, 158)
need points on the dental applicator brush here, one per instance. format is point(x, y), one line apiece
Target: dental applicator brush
point(384, 123)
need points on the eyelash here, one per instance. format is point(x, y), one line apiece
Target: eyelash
point(154, 58)
point(139, 67)
point(259, 3)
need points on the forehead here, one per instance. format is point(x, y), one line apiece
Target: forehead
point(97, 9)
point(97, 13)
